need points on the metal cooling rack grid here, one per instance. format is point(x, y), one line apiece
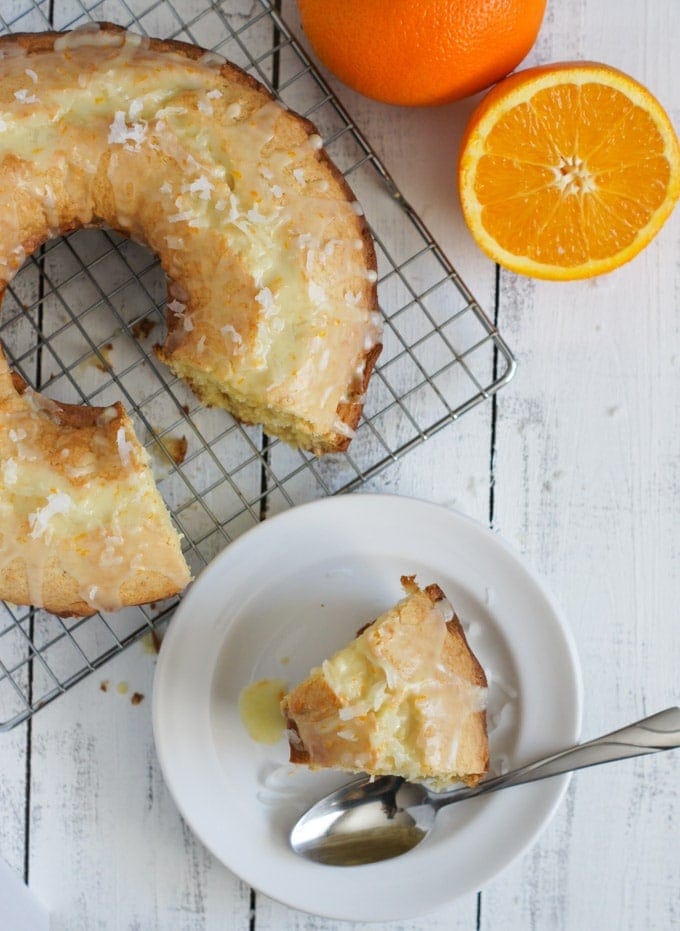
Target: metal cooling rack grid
point(80, 319)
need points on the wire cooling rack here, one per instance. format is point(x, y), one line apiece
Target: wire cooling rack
point(80, 318)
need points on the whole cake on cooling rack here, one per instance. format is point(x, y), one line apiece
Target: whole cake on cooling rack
point(406, 698)
point(82, 526)
point(272, 308)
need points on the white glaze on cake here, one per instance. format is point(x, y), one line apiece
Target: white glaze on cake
point(255, 231)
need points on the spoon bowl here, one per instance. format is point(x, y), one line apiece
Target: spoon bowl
point(373, 819)
point(365, 821)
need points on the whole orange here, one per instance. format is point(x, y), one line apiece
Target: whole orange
point(421, 52)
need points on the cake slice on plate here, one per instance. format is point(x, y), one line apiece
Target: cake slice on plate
point(407, 698)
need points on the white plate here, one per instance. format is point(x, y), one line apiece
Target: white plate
point(286, 595)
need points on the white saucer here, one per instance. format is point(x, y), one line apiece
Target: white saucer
point(282, 598)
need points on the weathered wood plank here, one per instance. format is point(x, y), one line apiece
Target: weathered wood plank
point(108, 847)
point(586, 486)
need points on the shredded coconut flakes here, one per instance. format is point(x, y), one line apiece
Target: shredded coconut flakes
point(316, 293)
point(177, 308)
point(57, 503)
point(265, 299)
point(182, 216)
point(255, 216)
point(228, 331)
point(135, 109)
point(124, 447)
point(202, 187)
point(122, 134)
point(10, 472)
point(25, 96)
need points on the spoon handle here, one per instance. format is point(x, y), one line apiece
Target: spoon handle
point(660, 731)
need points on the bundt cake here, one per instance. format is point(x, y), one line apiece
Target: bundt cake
point(82, 526)
point(406, 698)
point(271, 271)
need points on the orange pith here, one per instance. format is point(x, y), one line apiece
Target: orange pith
point(568, 171)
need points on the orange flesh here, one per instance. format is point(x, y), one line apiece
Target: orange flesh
point(559, 190)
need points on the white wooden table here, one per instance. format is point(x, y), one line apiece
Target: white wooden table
point(576, 464)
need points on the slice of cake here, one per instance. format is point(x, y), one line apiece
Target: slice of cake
point(82, 525)
point(406, 698)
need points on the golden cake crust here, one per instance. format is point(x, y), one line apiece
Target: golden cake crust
point(273, 313)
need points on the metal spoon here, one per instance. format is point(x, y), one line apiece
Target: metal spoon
point(366, 821)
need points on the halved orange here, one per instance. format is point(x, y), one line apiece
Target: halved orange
point(568, 170)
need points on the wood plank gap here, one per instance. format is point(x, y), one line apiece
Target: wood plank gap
point(264, 477)
point(264, 474)
point(253, 905)
point(494, 405)
point(492, 471)
point(264, 480)
point(31, 614)
point(27, 771)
